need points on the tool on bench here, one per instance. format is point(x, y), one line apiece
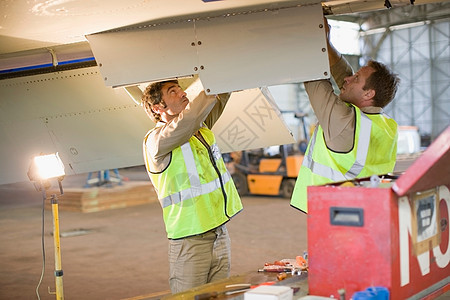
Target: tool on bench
point(235, 288)
point(281, 276)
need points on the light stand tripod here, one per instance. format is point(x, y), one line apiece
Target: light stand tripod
point(57, 246)
point(43, 169)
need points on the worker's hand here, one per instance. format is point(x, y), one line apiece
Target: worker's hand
point(333, 55)
point(223, 96)
point(327, 28)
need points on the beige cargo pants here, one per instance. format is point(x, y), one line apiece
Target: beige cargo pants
point(199, 259)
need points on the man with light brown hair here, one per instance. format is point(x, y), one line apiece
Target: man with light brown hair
point(195, 190)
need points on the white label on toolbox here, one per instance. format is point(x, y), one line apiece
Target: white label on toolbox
point(405, 229)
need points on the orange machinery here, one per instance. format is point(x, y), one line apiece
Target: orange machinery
point(259, 175)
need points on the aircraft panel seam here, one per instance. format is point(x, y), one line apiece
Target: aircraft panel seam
point(193, 19)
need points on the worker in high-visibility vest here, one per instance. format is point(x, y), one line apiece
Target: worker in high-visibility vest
point(354, 137)
point(195, 190)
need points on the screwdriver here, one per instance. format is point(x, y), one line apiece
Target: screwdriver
point(212, 295)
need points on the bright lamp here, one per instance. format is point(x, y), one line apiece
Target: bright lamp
point(49, 166)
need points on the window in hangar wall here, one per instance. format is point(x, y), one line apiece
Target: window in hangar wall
point(414, 42)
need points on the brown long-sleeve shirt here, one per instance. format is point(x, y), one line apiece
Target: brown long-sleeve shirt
point(335, 116)
point(167, 136)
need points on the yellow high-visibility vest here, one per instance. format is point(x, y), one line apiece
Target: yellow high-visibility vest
point(374, 152)
point(195, 191)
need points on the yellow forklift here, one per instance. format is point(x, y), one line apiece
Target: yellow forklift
point(263, 172)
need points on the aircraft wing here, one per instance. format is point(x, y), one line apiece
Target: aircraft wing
point(27, 25)
point(56, 87)
point(72, 112)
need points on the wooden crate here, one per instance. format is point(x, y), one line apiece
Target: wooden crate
point(92, 199)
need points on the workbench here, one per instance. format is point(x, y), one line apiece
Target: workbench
point(299, 282)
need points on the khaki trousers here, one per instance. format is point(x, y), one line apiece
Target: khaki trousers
point(199, 259)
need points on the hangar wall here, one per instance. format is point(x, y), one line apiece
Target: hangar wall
point(414, 42)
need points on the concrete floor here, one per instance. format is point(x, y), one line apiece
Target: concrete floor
point(122, 253)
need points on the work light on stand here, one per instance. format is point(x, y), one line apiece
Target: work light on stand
point(43, 169)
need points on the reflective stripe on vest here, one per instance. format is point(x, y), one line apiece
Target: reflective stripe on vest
point(196, 189)
point(361, 155)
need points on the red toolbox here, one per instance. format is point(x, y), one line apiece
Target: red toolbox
point(391, 233)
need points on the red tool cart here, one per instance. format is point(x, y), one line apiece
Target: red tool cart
point(384, 231)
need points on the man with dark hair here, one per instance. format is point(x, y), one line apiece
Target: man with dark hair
point(383, 82)
point(195, 190)
point(354, 137)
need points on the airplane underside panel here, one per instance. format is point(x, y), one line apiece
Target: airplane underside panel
point(229, 52)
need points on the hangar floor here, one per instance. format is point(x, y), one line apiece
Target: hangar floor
point(122, 253)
